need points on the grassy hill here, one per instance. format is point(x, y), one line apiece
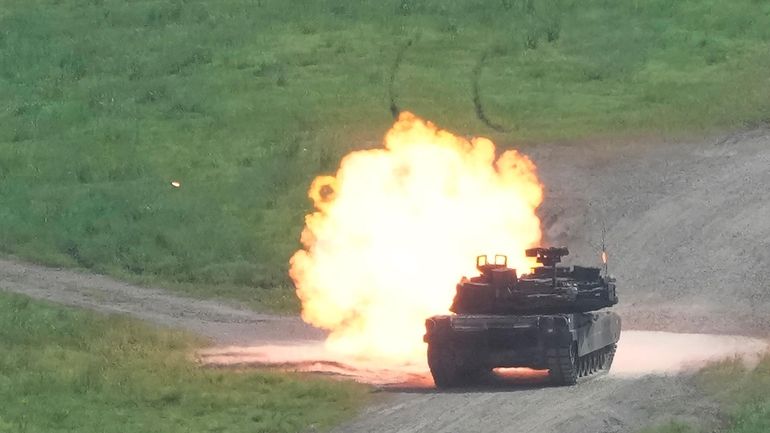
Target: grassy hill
point(105, 102)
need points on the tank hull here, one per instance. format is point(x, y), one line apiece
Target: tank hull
point(569, 345)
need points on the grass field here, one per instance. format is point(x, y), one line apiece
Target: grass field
point(742, 392)
point(70, 371)
point(105, 102)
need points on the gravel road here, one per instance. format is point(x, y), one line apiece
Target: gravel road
point(688, 233)
point(224, 324)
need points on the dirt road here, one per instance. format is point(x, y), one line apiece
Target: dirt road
point(688, 232)
point(224, 324)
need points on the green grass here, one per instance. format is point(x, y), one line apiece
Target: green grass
point(744, 394)
point(71, 371)
point(104, 102)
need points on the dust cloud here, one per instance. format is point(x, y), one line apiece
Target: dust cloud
point(640, 353)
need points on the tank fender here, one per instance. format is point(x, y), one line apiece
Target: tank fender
point(436, 327)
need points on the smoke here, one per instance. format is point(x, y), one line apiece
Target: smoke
point(396, 228)
point(640, 353)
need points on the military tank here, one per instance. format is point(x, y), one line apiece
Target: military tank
point(546, 319)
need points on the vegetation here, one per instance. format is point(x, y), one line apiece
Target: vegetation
point(105, 102)
point(71, 371)
point(742, 391)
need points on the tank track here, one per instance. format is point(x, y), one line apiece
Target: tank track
point(452, 365)
point(566, 368)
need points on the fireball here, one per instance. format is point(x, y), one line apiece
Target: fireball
point(395, 229)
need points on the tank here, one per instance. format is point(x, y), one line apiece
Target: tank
point(552, 318)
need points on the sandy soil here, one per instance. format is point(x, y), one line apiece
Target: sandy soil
point(688, 226)
point(688, 232)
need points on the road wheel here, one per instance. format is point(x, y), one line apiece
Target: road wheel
point(594, 362)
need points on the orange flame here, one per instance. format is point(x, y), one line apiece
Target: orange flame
point(397, 227)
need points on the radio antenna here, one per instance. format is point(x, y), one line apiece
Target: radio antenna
point(604, 249)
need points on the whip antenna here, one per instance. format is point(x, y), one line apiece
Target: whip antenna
point(604, 250)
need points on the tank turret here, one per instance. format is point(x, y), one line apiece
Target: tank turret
point(548, 288)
